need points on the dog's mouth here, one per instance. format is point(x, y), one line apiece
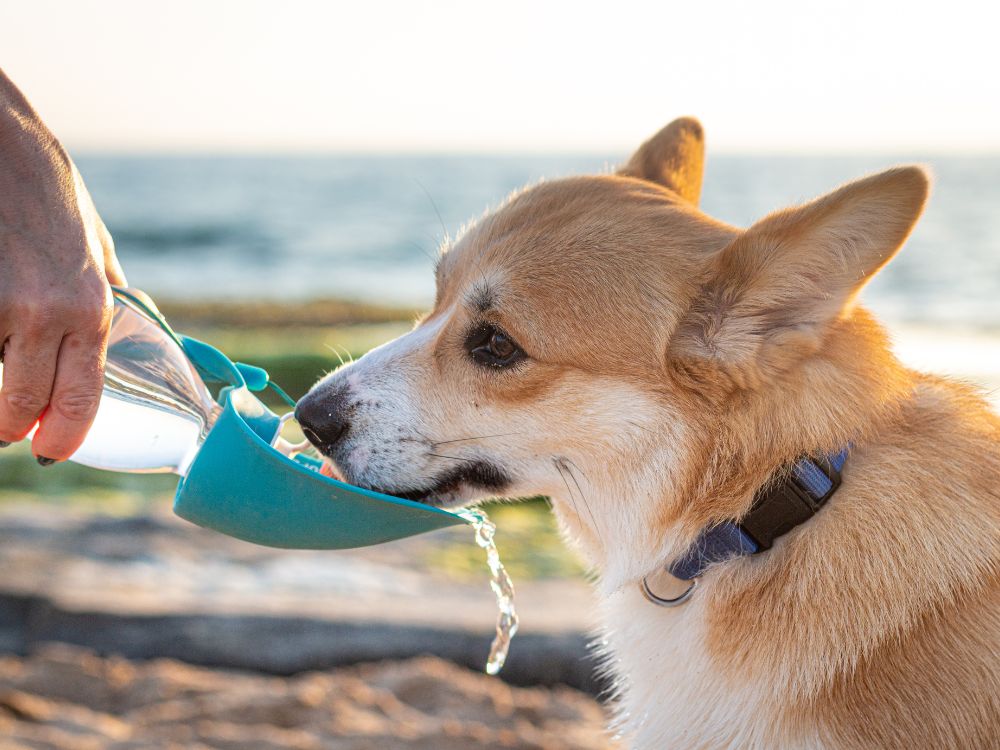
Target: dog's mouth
point(453, 487)
point(472, 479)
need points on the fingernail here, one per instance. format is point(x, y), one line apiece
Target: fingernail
point(43, 461)
point(4, 443)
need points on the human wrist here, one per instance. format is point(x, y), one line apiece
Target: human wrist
point(23, 135)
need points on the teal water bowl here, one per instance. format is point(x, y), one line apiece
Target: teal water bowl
point(239, 485)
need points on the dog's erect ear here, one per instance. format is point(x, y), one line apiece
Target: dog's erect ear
point(770, 295)
point(674, 158)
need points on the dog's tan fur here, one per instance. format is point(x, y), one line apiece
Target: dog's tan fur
point(675, 364)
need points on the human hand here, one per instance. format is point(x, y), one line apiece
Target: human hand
point(57, 261)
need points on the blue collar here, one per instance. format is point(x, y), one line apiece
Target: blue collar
point(778, 508)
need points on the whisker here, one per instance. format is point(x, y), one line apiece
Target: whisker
point(583, 497)
point(336, 353)
point(347, 352)
point(572, 463)
point(444, 229)
point(423, 251)
point(426, 439)
point(569, 492)
point(476, 437)
point(453, 458)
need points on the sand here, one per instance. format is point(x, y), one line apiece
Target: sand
point(67, 698)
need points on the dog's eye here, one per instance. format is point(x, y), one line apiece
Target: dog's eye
point(491, 347)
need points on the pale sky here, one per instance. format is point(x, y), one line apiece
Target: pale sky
point(376, 75)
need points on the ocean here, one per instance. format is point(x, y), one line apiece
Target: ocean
point(368, 227)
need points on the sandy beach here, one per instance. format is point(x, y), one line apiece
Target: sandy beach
point(143, 631)
point(67, 698)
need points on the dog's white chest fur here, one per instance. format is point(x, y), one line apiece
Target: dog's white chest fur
point(671, 694)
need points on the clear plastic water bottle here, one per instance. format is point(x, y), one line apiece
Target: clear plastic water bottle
point(156, 410)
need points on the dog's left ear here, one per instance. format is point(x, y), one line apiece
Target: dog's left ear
point(674, 158)
point(770, 296)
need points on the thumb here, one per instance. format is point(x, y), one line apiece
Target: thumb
point(112, 268)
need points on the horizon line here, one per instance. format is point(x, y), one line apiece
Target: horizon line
point(210, 152)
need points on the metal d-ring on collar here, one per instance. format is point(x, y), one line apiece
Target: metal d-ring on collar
point(660, 601)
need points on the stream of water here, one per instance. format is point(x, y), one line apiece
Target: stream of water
point(501, 584)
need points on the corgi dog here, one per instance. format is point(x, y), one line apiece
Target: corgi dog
point(721, 427)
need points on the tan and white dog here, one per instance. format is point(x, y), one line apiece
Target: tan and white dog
point(602, 341)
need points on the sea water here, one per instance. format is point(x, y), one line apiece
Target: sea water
point(368, 227)
point(502, 586)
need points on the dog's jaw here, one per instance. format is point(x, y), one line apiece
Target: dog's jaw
point(470, 481)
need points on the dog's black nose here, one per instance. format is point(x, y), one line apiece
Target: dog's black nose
point(321, 415)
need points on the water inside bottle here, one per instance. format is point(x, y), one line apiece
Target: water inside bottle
point(155, 410)
point(167, 442)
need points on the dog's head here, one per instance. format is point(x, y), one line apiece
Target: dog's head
point(592, 338)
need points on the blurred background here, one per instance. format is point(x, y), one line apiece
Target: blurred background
point(279, 177)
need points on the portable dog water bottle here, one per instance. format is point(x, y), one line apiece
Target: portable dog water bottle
point(158, 415)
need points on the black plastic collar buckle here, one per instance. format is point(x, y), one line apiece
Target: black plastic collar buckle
point(782, 505)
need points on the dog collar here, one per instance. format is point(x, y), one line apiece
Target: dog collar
point(781, 505)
